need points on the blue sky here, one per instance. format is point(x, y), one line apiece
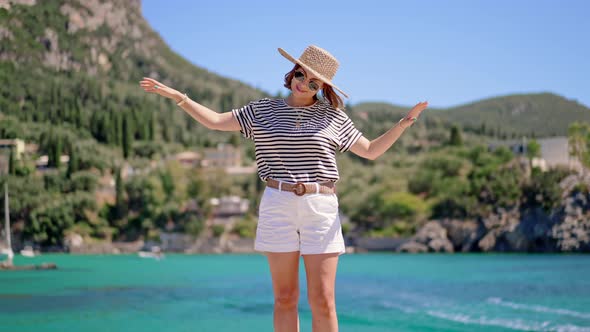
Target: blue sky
point(401, 52)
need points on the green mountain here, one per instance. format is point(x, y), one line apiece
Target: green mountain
point(103, 39)
point(540, 115)
point(77, 64)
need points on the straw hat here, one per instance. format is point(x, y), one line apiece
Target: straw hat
point(318, 62)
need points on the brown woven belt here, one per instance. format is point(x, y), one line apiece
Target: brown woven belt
point(301, 188)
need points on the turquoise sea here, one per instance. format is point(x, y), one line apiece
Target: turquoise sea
point(375, 293)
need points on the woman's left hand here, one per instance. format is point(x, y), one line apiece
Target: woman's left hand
point(414, 114)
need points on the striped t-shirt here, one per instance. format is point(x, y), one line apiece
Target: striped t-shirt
point(289, 153)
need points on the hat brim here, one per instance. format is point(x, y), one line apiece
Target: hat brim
point(308, 69)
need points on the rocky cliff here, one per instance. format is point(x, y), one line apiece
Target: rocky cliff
point(564, 229)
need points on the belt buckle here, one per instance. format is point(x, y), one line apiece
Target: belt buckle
point(299, 189)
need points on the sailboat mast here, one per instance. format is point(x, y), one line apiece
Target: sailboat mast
point(7, 217)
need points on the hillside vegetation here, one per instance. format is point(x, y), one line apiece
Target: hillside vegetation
point(69, 73)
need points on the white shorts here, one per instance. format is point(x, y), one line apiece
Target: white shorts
point(309, 224)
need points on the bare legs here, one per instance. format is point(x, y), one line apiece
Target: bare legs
point(284, 269)
point(321, 277)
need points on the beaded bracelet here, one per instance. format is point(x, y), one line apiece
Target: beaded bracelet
point(182, 101)
point(414, 119)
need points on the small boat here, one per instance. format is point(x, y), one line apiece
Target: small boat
point(7, 263)
point(10, 267)
point(28, 251)
point(155, 252)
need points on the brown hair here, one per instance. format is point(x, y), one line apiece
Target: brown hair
point(327, 91)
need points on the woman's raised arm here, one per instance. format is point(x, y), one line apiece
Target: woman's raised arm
point(207, 117)
point(375, 148)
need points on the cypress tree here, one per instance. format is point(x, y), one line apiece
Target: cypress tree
point(51, 155)
point(57, 151)
point(78, 114)
point(11, 163)
point(456, 139)
point(127, 137)
point(151, 126)
point(145, 136)
point(73, 164)
point(115, 129)
point(51, 148)
point(482, 129)
point(165, 133)
point(118, 132)
point(120, 205)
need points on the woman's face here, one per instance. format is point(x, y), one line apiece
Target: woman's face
point(305, 84)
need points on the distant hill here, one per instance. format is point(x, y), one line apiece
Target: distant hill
point(541, 115)
point(544, 114)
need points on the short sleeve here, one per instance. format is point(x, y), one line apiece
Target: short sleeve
point(348, 134)
point(246, 116)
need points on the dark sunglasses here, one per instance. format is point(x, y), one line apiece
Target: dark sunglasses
point(312, 85)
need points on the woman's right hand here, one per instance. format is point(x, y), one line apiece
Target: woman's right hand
point(152, 86)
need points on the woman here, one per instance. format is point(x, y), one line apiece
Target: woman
point(296, 141)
